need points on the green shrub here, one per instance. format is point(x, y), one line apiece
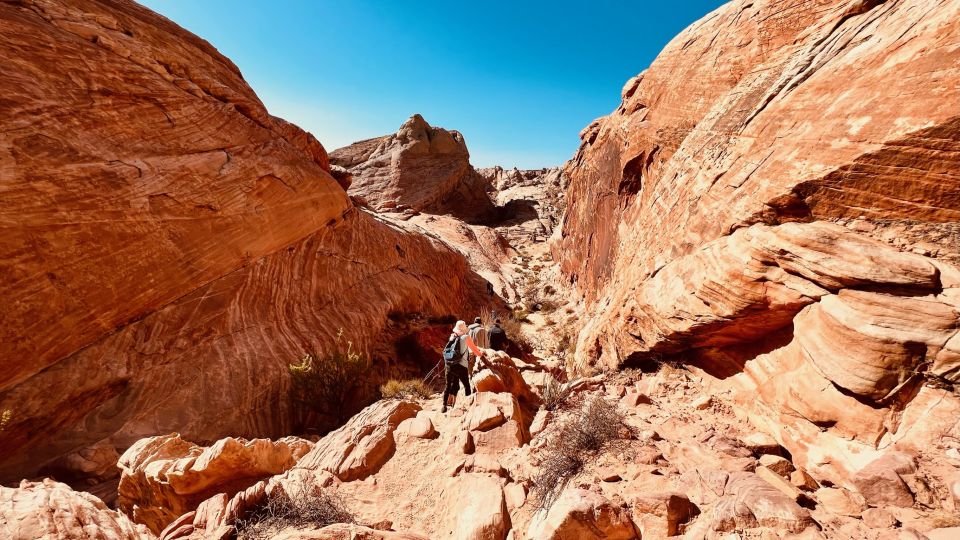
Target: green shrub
point(394, 389)
point(325, 384)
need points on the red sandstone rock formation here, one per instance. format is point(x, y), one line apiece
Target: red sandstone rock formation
point(420, 168)
point(50, 510)
point(168, 247)
point(776, 200)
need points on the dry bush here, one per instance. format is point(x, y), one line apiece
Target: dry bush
point(519, 343)
point(326, 384)
point(555, 395)
point(5, 418)
point(299, 510)
point(595, 427)
point(394, 389)
point(944, 519)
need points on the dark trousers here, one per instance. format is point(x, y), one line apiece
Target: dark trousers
point(455, 375)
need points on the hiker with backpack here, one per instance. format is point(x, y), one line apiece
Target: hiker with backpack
point(479, 336)
point(456, 363)
point(496, 337)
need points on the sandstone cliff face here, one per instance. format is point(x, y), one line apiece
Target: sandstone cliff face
point(168, 247)
point(420, 168)
point(776, 200)
point(531, 201)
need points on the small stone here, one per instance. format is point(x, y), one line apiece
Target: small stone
point(802, 480)
point(649, 435)
point(777, 464)
point(878, 518)
point(660, 515)
point(761, 443)
point(484, 463)
point(840, 501)
point(648, 455)
point(617, 391)
point(609, 474)
point(632, 399)
point(778, 482)
point(702, 403)
point(953, 453)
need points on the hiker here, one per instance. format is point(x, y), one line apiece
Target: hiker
point(456, 363)
point(496, 337)
point(479, 336)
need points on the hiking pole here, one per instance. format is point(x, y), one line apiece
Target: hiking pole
point(429, 375)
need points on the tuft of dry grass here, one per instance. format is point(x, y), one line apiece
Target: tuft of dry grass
point(301, 509)
point(394, 389)
point(597, 425)
point(555, 394)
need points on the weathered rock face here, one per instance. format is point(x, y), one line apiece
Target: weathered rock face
point(805, 121)
point(776, 200)
point(168, 247)
point(420, 168)
point(50, 510)
point(531, 202)
point(165, 477)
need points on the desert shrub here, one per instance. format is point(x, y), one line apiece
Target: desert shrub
point(302, 509)
point(488, 315)
point(555, 395)
point(394, 389)
point(577, 441)
point(325, 384)
point(5, 417)
point(566, 346)
point(514, 328)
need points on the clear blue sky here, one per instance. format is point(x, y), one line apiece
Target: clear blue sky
point(518, 79)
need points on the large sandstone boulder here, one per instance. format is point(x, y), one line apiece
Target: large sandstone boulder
point(360, 447)
point(793, 236)
point(749, 502)
point(50, 510)
point(579, 514)
point(420, 168)
point(881, 481)
point(165, 477)
point(130, 143)
point(480, 510)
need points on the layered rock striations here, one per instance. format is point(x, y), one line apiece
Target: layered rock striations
point(168, 247)
point(776, 200)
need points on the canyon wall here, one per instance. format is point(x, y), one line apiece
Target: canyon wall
point(168, 247)
point(776, 201)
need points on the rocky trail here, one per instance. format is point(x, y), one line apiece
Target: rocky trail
point(734, 313)
point(689, 467)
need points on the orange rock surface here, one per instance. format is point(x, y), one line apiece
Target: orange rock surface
point(168, 247)
point(776, 201)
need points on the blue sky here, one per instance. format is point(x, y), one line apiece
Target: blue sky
point(518, 79)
